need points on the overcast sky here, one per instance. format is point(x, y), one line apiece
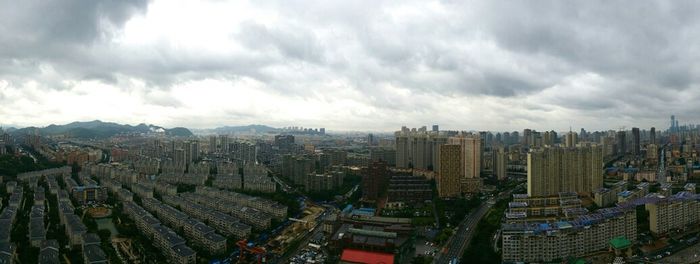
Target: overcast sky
point(351, 65)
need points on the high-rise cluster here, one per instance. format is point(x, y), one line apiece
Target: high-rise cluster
point(552, 170)
point(418, 148)
point(460, 165)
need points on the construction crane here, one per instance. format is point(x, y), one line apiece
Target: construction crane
point(259, 252)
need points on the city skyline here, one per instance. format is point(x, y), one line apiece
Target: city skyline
point(350, 66)
point(387, 131)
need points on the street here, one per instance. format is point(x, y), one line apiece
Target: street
point(460, 240)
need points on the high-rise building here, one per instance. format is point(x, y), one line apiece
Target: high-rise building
point(571, 139)
point(539, 242)
point(436, 128)
point(673, 124)
point(388, 155)
point(552, 170)
point(223, 142)
point(448, 178)
point(471, 154)
point(652, 135)
point(635, 141)
point(374, 180)
point(418, 149)
point(527, 134)
point(285, 143)
point(370, 139)
point(212, 144)
point(193, 151)
point(295, 168)
point(652, 152)
point(547, 139)
point(500, 163)
point(180, 157)
point(621, 142)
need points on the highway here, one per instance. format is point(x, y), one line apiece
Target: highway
point(460, 240)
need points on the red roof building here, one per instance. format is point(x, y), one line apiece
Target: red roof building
point(366, 257)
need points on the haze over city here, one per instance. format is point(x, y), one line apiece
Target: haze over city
point(349, 132)
point(356, 65)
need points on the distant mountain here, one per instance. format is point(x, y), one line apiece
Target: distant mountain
point(99, 129)
point(9, 129)
point(178, 132)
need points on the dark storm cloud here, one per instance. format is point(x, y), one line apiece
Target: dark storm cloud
point(36, 28)
point(648, 41)
point(60, 33)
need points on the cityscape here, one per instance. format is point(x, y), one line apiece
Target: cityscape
point(349, 132)
point(99, 192)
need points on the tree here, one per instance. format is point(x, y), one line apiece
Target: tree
point(104, 234)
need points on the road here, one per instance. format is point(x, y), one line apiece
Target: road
point(460, 240)
point(688, 255)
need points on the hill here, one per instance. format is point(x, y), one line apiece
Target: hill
point(99, 129)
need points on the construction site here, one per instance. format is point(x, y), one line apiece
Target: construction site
point(293, 235)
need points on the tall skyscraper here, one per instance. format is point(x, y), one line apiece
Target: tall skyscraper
point(402, 150)
point(180, 157)
point(652, 135)
point(621, 142)
point(571, 139)
point(448, 180)
point(673, 124)
point(471, 154)
point(547, 139)
point(527, 134)
point(555, 169)
point(635, 141)
point(223, 142)
point(285, 143)
point(418, 149)
point(191, 149)
point(500, 163)
point(436, 128)
point(212, 144)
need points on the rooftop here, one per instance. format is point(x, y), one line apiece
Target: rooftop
point(183, 250)
point(93, 253)
point(360, 256)
point(620, 242)
point(91, 238)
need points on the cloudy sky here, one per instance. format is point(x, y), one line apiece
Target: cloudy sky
point(351, 65)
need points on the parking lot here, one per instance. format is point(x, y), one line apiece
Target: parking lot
point(688, 255)
point(309, 255)
point(425, 248)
